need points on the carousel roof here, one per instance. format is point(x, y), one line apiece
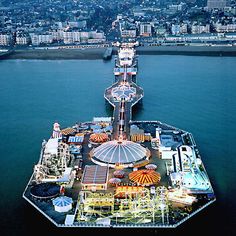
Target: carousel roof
point(99, 137)
point(145, 177)
point(114, 181)
point(120, 152)
point(68, 131)
point(151, 166)
point(62, 201)
point(119, 172)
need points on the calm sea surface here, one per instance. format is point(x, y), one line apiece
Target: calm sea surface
point(197, 94)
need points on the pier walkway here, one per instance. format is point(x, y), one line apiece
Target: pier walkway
point(123, 95)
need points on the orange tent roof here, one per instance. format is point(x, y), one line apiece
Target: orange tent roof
point(145, 177)
point(99, 137)
point(68, 131)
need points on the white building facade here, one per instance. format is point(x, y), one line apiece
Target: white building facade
point(5, 39)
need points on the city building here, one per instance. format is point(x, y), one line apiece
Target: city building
point(5, 39)
point(71, 37)
point(198, 29)
point(84, 36)
point(225, 28)
point(172, 9)
point(216, 4)
point(145, 29)
point(57, 35)
point(160, 30)
point(127, 29)
point(73, 24)
point(129, 33)
point(183, 28)
point(175, 29)
point(82, 24)
point(37, 39)
point(139, 13)
point(178, 29)
point(96, 35)
point(22, 39)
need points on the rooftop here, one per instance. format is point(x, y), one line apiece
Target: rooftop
point(95, 174)
point(120, 152)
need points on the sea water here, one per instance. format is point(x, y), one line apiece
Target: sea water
point(194, 93)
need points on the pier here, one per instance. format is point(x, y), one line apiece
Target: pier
point(116, 172)
point(123, 95)
point(107, 54)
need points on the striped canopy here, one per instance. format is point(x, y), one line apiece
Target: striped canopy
point(114, 181)
point(68, 131)
point(119, 173)
point(99, 138)
point(145, 177)
point(62, 201)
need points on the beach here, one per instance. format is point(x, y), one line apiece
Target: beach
point(188, 50)
point(98, 53)
point(57, 54)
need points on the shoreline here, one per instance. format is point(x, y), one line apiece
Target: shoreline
point(189, 50)
point(57, 54)
point(98, 53)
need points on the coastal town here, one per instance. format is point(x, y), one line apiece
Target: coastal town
point(34, 23)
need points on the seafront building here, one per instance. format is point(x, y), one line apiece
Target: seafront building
point(225, 28)
point(5, 39)
point(145, 29)
point(22, 38)
point(177, 29)
point(216, 4)
point(37, 39)
point(116, 172)
point(199, 29)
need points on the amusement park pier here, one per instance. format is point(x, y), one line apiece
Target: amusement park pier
point(116, 172)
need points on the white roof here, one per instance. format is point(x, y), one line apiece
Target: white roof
point(69, 219)
point(176, 176)
point(51, 146)
point(100, 119)
point(66, 175)
point(103, 221)
point(120, 152)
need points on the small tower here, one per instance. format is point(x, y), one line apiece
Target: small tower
point(56, 131)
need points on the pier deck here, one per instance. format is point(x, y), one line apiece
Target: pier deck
point(123, 79)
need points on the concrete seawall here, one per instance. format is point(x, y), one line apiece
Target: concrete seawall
point(98, 53)
point(188, 50)
point(57, 54)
